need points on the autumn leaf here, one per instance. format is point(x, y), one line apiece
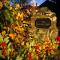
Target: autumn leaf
point(19, 15)
point(17, 6)
point(1, 38)
point(30, 57)
point(10, 8)
point(6, 39)
point(12, 35)
point(3, 33)
point(3, 44)
point(4, 0)
point(1, 5)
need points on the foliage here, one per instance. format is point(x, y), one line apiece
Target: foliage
point(19, 39)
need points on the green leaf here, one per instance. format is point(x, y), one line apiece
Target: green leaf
point(1, 26)
point(9, 45)
point(11, 20)
point(18, 58)
point(9, 48)
point(6, 39)
point(0, 53)
point(1, 38)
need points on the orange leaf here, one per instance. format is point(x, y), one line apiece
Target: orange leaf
point(12, 35)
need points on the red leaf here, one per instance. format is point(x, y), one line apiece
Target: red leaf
point(58, 38)
point(4, 51)
point(3, 44)
point(30, 56)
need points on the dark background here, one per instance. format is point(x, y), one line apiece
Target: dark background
point(58, 14)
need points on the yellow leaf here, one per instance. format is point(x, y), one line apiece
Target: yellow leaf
point(1, 5)
point(17, 17)
point(16, 8)
point(21, 29)
point(18, 14)
point(22, 43)
point(13, 13)
point(17, 5)
point(21, 15)
point(10, 8)
point(28, 12)
point(3, 32)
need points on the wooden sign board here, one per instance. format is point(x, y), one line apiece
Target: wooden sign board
point(43, 23)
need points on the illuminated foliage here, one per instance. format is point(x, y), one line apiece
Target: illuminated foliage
point(20, 39)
